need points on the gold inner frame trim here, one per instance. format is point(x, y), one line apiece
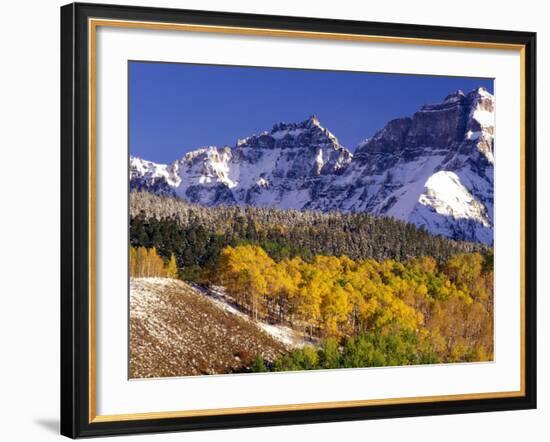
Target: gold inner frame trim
point(93, 24)
point(298, 34)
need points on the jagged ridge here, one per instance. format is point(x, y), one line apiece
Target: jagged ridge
point(434, 169)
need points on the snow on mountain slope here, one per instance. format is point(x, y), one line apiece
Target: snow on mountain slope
point(277, 168)
point(434, 169)
point(447, 207)
point(153, 177)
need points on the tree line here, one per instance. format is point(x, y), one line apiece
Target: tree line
point(440, 312)
point(196, 234)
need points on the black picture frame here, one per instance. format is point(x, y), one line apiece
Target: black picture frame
point(75, 221)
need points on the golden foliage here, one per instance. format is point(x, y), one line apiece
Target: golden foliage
point(449, 308)
point(148, 263)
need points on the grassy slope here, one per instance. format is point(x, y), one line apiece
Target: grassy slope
point(176, 331)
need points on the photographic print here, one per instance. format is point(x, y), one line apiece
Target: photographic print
point(272, 220)
point(292, 219)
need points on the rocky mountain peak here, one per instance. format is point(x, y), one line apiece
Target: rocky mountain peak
point(152, 177)
point(482, 92)
point(313, 121)
point(439, 127)
point(454, 97)
point(434, 169)
point(391, 138)
point(481, 100)
point(305, 134)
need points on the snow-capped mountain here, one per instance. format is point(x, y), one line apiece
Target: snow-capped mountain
point(277, 168)
point(152, 177)
point(434, 169)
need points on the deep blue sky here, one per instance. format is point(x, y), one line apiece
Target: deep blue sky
point(175, 108)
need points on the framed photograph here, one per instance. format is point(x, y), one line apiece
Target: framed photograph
point(280, 220)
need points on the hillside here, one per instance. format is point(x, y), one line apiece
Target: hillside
point(176, 330)
point(257, 314)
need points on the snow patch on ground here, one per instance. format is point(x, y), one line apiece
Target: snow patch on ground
point(144, 298)
point(289, 337)
point(177, 331)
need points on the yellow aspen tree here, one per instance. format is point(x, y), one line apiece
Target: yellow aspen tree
point(141, 258)
point(132, 261)
point(172, 267)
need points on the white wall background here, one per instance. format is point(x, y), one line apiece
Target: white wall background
point(29, 220)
